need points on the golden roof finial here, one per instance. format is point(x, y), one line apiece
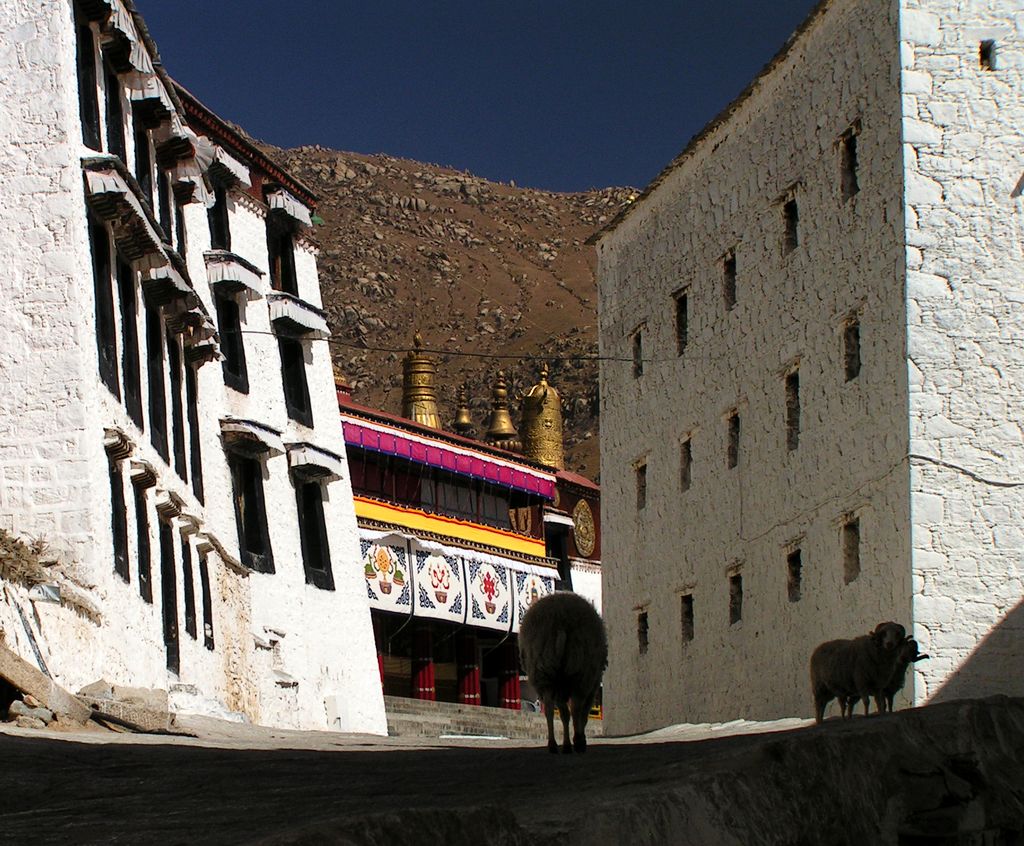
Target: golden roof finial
point(463, 419)
point(500, 430)
point(419, 397)
point(542, 424)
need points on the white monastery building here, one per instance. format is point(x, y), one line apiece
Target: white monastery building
point(811, 406)
point(169, 423)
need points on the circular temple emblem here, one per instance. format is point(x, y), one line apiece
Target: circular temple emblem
point(583, 528)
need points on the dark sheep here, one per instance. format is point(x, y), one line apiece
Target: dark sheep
point(908, 654)
point(852, 670)
point(564, 649)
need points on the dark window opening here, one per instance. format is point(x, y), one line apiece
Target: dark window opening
point(851, 550)
point(316, 552)
point(143, 155)
point(686, 617)
point(685, 465)
point(157, 390)
point(163, 197)
point(204, 582)
point(793, 410)
point(791, 217)
point(281, 251)
point(88, 96)
point(851, 350)
point(848, 165)
point(642, 632)
point(251, 513)
point(179, 229)
point(217, 215)
point(987, 54)
point(195, 446)
point(177, 409)
point(494, 506)
point(114, 112)
point(130, 357)
point(169, 597)
point(638, 354)
point(106, 331)
point(729, 280)
point(641, 486)
point(794, 567)
point(119, 521)
point(735, 598)
point(230, 325)
point(732, 456)
point(142, 541)
point(293, 376)
point(188, 582)
point(682, 323)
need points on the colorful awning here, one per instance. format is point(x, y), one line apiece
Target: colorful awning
point(492, 469)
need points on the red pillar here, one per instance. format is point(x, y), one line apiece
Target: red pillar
point(508, 693)
point(423, 663)
point(468, 659)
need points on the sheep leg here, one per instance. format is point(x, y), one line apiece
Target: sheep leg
point(821, 700)
point(549, 715)
point(580, 714)
point(563, 710)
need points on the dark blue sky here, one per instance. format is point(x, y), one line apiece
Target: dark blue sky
point(552, 94)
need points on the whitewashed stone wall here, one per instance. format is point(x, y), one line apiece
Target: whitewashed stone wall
point(780, 142)
point(964, 156)
point(54, 471)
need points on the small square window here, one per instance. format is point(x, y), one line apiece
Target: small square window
point(682, 322)
point(638, 354)
point(729, 280)
point(685, 464)
point(686, 617)
point(732, 455)
point(987, 54)
point(735, 598)
point(794, 574)
point(791, 219)
point(641, 485)
point(642, 632)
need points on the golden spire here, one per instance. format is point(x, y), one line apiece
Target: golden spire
point(542, 424)
point(419, 399)
point(463, 419)
point(500, 430)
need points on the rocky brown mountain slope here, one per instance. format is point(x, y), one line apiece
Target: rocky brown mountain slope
point(481, 269)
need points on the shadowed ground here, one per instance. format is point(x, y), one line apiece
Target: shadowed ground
point(906, 778)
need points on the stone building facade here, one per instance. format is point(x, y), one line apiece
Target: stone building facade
point(811, 326)
point(168, 424)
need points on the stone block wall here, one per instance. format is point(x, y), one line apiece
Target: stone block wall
point(962, 73)
point(683, 648)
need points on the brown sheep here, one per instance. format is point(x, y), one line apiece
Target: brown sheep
point(851, 670)
point(908, 654)
point(564, 649)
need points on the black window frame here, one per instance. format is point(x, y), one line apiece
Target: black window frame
point(88, 84)
point(792, 383)
point(155, 367)
point(735, 598)
point(204, 582)
point(144, 159)
point(175, 362)
point(119, 521)
point(682, 301)
point(143, 545)
point(254, 546)
point(188, 587)
point(851, 349)
point(294, 379)
point(791, 225)
point(113, 112)
point(729, 280)
point(229, 324)
point(313, 537)
point(169, 597)
point(219, 219)
point(281, 254)
point(106, 325)
point(195, 454)
point(131, 364)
